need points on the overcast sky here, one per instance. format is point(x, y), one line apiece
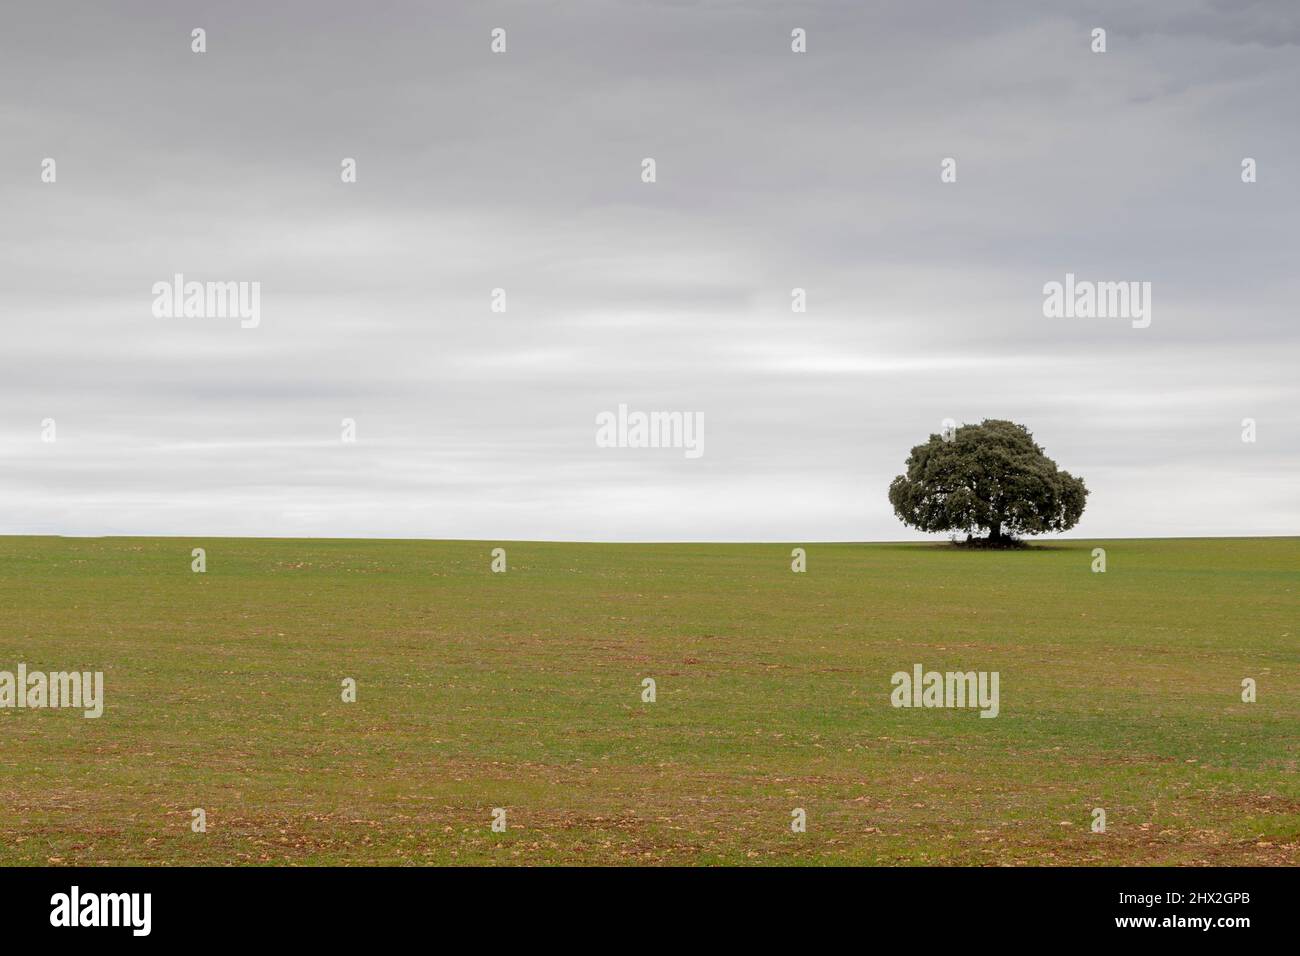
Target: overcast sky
point(522, 171)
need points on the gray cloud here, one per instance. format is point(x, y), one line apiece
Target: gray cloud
point(522, 171)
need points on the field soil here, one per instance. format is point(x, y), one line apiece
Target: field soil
point(523, 691)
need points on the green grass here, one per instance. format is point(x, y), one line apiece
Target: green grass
point(523, 690)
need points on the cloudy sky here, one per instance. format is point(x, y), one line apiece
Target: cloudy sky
point(522, 171)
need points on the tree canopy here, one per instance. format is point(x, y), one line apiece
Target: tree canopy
point(992, 477)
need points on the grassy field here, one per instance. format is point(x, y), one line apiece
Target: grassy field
point(522, 690)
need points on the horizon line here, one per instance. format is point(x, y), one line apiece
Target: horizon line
point(1028, 540)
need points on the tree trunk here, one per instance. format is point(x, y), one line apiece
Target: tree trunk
point(995, 532)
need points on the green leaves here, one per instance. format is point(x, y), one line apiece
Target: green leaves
point(991, 476)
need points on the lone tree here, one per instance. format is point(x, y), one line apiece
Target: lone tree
point(990, 476)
